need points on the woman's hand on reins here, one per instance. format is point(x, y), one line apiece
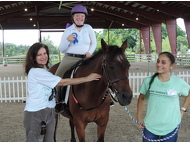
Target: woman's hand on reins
point(141, 126)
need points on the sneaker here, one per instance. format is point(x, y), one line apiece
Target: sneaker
point(111, 103)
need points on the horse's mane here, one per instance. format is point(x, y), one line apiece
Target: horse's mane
point(94, 56)
point(112, 52)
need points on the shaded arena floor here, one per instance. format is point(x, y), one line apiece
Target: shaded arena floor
point(120, 126)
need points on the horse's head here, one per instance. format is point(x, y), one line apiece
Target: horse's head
point(116, 66)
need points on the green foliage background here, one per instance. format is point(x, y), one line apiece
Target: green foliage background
point(116, 37)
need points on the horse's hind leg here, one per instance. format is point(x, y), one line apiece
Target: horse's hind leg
point(73, 139)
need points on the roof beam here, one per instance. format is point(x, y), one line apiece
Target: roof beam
point(163, 8)
point(124, 16)
point(185, 2)
point(119, 20)
point(52, 19)
point(37, 21)
point(18, 8)
point(152, 16)
point(31, 9)
point(120, 12)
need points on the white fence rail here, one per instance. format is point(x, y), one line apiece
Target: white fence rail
point(15, 89)
point(136, 79)
point(181, 59)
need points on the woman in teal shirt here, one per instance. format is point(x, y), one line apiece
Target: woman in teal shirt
point(162, 92)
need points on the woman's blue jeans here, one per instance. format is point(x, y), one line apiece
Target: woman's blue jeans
point(152, 136)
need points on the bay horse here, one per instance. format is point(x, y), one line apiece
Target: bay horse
point(88, 102)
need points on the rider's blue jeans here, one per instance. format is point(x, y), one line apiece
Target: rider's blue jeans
point(150, 135)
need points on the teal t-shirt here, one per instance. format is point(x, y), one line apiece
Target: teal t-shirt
point(163, 109)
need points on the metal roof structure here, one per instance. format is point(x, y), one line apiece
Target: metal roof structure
point(141, 15)
point(102, 14)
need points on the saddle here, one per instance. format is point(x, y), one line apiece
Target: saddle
point(61, 103)
point(62, 89)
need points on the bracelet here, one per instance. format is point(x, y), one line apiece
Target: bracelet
point(184, 109)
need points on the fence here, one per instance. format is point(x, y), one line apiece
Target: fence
point(182, 59)
point(136, 79)
point(15, 89)
point(16, 60)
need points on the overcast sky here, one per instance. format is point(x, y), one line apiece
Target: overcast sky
point(28, 37)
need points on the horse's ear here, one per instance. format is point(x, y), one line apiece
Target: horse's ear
point(124, 46)
point(104, 45)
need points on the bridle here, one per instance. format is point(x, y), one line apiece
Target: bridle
point(111, 89)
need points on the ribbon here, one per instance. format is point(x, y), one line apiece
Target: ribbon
point(76, 40)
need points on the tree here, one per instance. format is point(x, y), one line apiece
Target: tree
point(118, 36)
point(182, 43)
point(10, 49)
point(166, 45)
point(52, 49)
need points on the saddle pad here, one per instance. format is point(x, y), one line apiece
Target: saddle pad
point(68, 87)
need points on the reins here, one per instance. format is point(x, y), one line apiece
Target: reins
point(151, 140)
point(110, 82)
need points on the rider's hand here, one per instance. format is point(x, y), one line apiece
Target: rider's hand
point(88, 55)
point(71, 37)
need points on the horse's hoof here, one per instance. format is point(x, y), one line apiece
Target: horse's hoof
point(73, 140)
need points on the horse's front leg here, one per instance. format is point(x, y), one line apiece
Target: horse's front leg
point(73, 139)
point(101, 127)
point(80, 129)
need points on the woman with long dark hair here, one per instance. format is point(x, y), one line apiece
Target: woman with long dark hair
point(162, 92)
point(39, 112)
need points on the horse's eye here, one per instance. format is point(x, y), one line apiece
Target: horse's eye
point(111, 67)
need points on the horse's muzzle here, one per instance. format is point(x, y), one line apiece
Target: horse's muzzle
point(124, 98)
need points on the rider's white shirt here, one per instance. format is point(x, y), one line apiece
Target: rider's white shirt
point(86, 40)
